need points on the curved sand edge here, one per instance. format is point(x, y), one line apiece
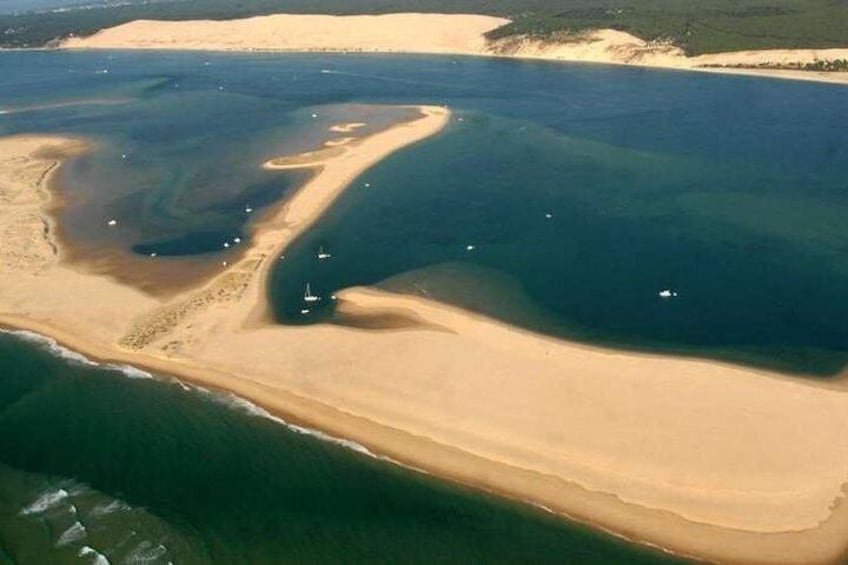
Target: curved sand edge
point(458, 34)
point(723, 462)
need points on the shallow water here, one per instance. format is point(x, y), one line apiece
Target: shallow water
point(144, 468)
point(591, 188)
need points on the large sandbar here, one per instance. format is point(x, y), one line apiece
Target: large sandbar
point(703, 458)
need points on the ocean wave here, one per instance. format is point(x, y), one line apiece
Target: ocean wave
point(129, 371)
point(146, 552)
point(97, 558)
point(234, 402)
point(109, 508)
point(54, 348)
point(226, 399)
point(45, 502)
point(73, 534)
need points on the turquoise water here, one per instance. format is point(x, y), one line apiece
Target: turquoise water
point(729, 191)
point(151, 470)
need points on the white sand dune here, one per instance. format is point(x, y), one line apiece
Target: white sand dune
point(461, 34)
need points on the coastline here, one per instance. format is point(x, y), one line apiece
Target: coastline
point(604, 437)
point(444, 34)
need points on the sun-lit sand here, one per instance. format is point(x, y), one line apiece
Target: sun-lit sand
point(702, 458)
point(461, 34)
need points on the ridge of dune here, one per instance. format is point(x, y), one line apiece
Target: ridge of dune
point(459, 34)
point(702, 458)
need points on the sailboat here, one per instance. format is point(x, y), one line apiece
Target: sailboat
point(323, 254)
point(308, 296)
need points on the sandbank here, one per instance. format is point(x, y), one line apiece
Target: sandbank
point(458, 34)
point(698, 457)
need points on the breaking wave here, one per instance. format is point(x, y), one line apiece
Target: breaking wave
point(46, 501)
point(73, 534)
point(226, 399)
point(54, 348)
point(96, 557)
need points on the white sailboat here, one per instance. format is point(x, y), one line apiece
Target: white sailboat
point(323, 254)
point(308, 296)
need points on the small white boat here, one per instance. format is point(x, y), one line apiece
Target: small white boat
point(323, 254)
point(549, 215)
point(237, 240)
point(470, 248)
point(112, 223)
point(667, 293)
point(305, 311)
point(226, 244)
point(308, 296)
point(248, 210)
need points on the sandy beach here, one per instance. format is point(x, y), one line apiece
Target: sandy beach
point(702, 458)
point(458, 34)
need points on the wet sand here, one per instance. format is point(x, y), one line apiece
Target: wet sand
point(699, 457)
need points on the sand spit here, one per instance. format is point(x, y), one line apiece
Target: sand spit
point(461, 34)
point(726, 463)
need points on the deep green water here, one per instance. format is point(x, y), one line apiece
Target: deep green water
point(151, 470)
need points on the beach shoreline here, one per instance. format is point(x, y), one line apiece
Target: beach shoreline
point(446, 34)
point(604, 437)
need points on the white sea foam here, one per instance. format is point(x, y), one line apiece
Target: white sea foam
point(179, 383)
point(224, 398)
point(97, 558)
point(106, 509)
point(244, 406)
point(73, 534)
point(146, 552)
point(45, 502)
point(130, 371)
point(52, 346)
